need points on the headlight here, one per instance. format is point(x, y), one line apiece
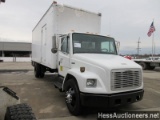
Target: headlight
point(91, 82)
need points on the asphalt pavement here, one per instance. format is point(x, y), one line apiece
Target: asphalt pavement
point(49, 104)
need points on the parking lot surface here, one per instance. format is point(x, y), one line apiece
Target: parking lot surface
point(49, 104)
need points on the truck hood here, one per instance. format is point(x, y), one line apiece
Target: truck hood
point(107, 61)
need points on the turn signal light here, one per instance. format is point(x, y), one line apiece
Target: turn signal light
point(54, 2)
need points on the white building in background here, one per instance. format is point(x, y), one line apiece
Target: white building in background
point(15, 51)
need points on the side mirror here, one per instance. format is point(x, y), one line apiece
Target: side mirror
point(117, 45)
point(54, 50)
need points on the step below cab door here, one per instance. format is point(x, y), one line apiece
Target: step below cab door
point(64, 56)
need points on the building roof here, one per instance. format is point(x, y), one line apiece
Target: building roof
point(15, 46)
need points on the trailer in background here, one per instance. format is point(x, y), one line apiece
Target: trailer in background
point(148, 63)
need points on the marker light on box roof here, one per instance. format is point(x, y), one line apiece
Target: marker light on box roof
point(54, 2)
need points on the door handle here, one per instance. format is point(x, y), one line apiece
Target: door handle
point(59, 62)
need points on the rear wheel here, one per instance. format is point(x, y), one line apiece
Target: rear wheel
point(72, 97)
point(143, 65)
point(151, 67)
point(42, 71)
point(39, 71)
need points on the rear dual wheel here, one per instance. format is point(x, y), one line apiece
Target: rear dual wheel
point(143, 65)
point(146, 66)
point(39, 71)
point(151, 67)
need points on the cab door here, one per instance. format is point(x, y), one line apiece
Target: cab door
point(64, 56)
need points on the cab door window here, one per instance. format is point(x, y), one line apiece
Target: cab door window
point(65, 45)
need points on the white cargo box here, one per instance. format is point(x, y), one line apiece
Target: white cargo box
point(60, 20)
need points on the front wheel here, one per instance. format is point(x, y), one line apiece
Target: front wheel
point(72, 97)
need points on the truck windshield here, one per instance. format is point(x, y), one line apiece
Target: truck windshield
point(87, 43)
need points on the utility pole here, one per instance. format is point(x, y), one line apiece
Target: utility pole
point(138, 47)
point(154, 47)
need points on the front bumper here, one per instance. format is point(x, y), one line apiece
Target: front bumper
point(111, 100)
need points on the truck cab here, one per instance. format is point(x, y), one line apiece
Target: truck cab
point(91, 73)
point(81, 46)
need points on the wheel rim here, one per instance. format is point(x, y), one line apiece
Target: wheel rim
point(70, 97)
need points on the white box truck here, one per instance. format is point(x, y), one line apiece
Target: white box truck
point(66, 40)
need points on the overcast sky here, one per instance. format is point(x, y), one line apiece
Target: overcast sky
point(125, 20)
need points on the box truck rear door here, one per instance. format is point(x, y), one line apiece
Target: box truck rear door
point(43, 44)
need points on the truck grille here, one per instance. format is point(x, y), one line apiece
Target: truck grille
point(124, 79)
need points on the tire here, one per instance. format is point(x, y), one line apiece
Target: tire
point(72, 97)
point(151, 67)
point(37, 70)
point(143, 65)
point(19, 112)
point(41, 75)
point(42, 71)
